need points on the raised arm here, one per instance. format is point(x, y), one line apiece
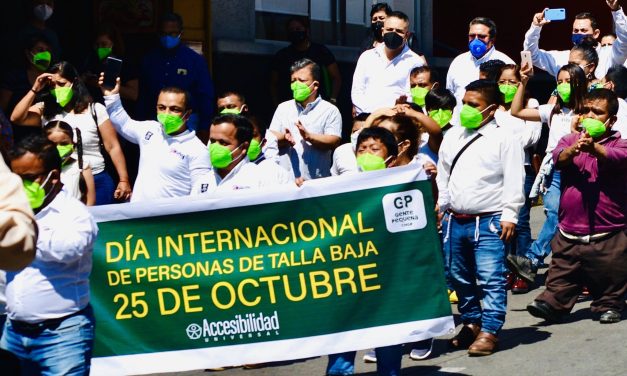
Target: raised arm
point(25, 113)
point(619, 47)
point(550, 61)
point(518, 104)
point(129, 129)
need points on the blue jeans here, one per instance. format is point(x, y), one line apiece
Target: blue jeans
point(388, 361)
point(476, 254)
point(522, 242)
point(542, 246)
point(104, 188)
point(61, 349)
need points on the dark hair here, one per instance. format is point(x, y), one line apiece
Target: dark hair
point(116, 37)
point(407, 129)
point(486, 22)
point(386, 137)
point(244, 128)
point(513, 67)
point(361, 117)
point(433, 74)
point(588, 16)
point(67, 129)
point(172, 17)
point(618, 76)
point(300, 19)
point(604, 95)
point(613, 35)
point(44, 149)
point(488, 89)
point(399, 15)
point(80, 99)
point(313, 68)
point(177, 90)
point(35, 38)
point(380, 7)
point(492, 69)
point(438, 98)
point(587, 48)
point(228, 93)
point(578, 88)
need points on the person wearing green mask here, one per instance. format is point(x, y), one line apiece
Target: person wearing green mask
point(230, 138)
point(440, 104)
point(422, 80)
point(173, 162)
point(57, 281)
point(589, 248)
point(308, 128)
point(376, 149)
point(480, 180)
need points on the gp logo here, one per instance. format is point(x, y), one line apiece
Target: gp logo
point(404, 211)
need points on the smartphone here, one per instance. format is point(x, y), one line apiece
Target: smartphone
point(112, 70)
point(525, 59)
point(557, 14)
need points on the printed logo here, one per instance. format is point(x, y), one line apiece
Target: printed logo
point(241, 326)
point(194, 331)
point(404, 211)
point(148, 135)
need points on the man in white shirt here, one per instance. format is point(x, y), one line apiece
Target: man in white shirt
point(465, 68)
point(616, 80)
point(480, 182)
point(382, 73)
point(173, 162)
point(585, 25)
point(308, 128)
point(230, 137)
point(50, 325)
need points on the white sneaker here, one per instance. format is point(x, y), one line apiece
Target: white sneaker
point(422, 350)
point(370, 357)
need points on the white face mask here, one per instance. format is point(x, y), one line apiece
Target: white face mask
point(42, 12)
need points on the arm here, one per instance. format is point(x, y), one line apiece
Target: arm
point(201, 173)
point(24, 112)
point(550, 61)
point(336, 78)
point(378, 114)
point(566, 151)
point(429, 125)
point(113, 148)
point(518, 104)
point(619, 48)
point(129, 129)
point(319, 141)
point(512, 157)
point(88, 176)
point(18, 230)
point(67, 241)
point(358, 90)
point(443, 176)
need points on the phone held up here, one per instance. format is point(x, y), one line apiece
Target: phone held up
point(557, 14)
point(112, 70)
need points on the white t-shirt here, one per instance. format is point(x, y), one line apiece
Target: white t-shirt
point(621, 122)
point(247, 175)
point(89, 133)
point(344, 160)
point(528, 132)
point(71, 177)
point(559, 124)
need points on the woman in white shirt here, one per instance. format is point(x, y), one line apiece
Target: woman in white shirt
point(66, 98)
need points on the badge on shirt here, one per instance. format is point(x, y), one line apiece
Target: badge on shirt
point(148, 135)
point(181, 71)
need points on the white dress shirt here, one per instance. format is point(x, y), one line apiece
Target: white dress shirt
point(378, 81)
point(169, 166)
point(465, 69)
point(528, 132)
point(559, 124)
point(56, 283)
point(248, 175)
point(488, 176)
point(552, 61)
point(621, 121)
point(344, 160)
point(318, 117)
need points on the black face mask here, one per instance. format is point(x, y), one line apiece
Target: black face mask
point(392, 40)
point(376, 28)
point(296, 36)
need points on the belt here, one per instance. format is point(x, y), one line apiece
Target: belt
point(464, 216)
point(46, 324)
point(586, 239)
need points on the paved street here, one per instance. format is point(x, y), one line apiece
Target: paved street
point(578, 346)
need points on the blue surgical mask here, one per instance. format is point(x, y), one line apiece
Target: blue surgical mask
point(578, 38)
point(477, 48)
point(169, 42)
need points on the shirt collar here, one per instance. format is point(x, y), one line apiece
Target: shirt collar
point(309, 107)
point(233, 172)
point(380, 51)
point(483, 58)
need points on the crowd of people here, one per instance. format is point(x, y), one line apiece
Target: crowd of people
point(488, 148)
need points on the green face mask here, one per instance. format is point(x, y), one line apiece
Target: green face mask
point(470, 117)
point(509, 91)
point(441, 116)
point(170, 122)
point(234, 111)
point(563, 90)
point(65, 150)
point(63, 94)
point(35, 192)
point(370, 162)
point(254, 149)
point(220, 155)
point(42, 60)
point(300, 91)
point(594, 127)
point(418, 95)
point(103, 52)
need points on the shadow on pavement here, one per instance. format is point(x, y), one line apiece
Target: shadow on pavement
point(420, 371)
point(510, 338)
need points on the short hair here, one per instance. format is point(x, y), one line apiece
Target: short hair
point(492, 69)
point(178, 90)
point(386, 137)
point(44, 149)
point(243, 126)
point(228, 93)
point(618, 76)
point(300, 19)
point(313, 68)
point(361, 117)
point(172, 17)
point(488, 89)
point(407, 129)
point(30, 42)
point(433, 74)
point(399, 15)
point(440, 97)
point(486, 22)
point(606, 95)
point(380, 7)
point(587, 48)
point(613, 35)
point(588, 16)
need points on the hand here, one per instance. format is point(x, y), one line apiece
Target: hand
point(402, 99)
point(430, 169)
point(438, 216)
point(585, 143)
point(525, 74)
point(105, 91)
point(41, 82)
point(299, 181)
point(538, 19)
point(507, 233)
point(123, 191)
point(304, 133)
point(613, 4)
point(289, 138)
point(406, 110)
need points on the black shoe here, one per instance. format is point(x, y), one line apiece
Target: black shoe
point(543, 310)
point(609, 317)
point(523, 267)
